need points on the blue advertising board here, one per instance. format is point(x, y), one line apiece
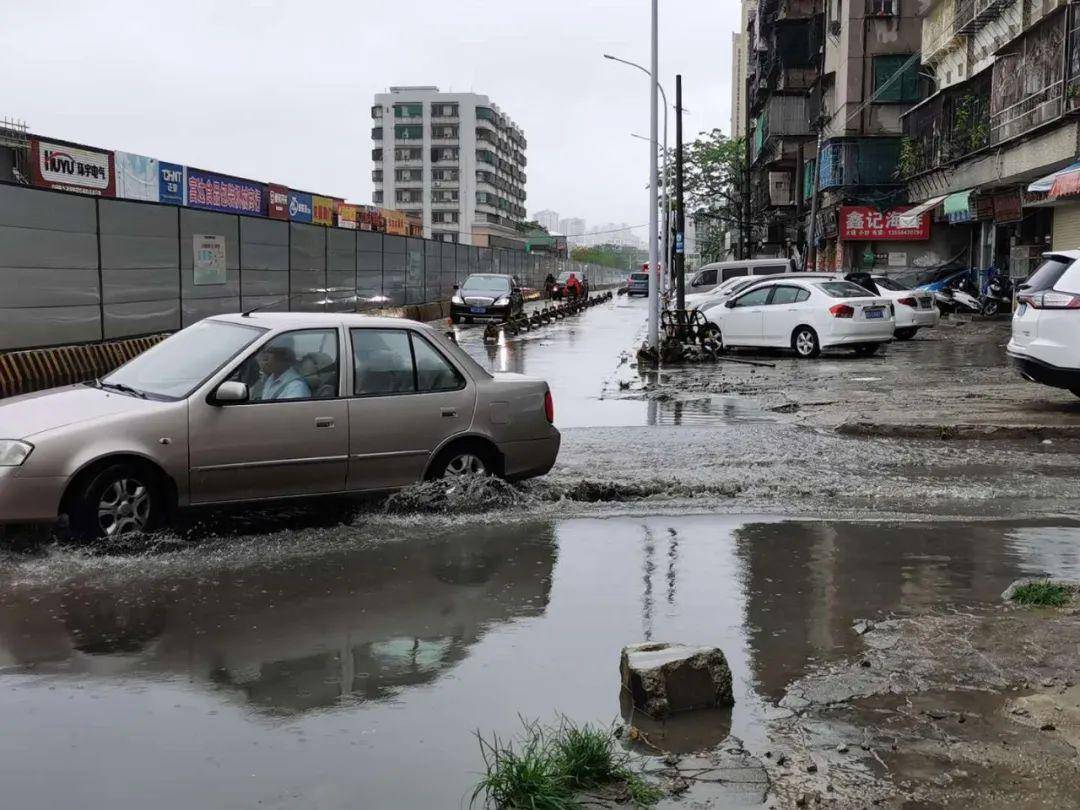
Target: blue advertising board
point(170, 183)
point(230, 195)
point(300, 207)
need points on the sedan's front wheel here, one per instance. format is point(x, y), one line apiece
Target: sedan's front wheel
point(805, 343)
point(121, 500)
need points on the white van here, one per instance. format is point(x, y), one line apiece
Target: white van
point(711, 275)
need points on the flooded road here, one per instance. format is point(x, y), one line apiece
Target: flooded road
point(354, 672)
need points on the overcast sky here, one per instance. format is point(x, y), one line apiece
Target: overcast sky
point(281, 91)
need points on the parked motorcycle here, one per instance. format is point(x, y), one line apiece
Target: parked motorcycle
point(961, 296)
point(998, 296)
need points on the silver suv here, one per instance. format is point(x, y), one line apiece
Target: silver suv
point(266, 406)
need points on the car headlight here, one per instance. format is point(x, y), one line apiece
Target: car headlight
point(502, 302)
point(13, 453)
point(457, 299)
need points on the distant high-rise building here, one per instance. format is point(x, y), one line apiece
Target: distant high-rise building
point(548, 219)
point(572, 226)
point(739, 62)
point(454, 159)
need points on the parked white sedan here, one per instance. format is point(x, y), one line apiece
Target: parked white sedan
point(806, 316)
point(914, 309)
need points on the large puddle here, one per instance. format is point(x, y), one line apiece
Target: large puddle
point(355, 674)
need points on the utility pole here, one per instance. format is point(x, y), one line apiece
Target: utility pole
point(680, 217)
point(654, 248)
point(746, 231)
point(811, 253)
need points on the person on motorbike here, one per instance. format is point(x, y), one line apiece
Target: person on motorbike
point(549, 285)
point(573, 286)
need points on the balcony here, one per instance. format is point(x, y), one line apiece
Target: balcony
point(860, 162)
point(946, 128)
point(1028, 84)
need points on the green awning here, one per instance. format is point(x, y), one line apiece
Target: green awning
point(959, 203)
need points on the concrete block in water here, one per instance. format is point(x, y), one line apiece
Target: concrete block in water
point(662, 679)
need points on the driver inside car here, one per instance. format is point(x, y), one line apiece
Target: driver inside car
point(279, 377)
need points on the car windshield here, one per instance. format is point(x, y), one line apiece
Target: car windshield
point(179, 364)
point(843, 289)
point(564, 277)
point(889, 284)
point(639, 276)
point(486, 284)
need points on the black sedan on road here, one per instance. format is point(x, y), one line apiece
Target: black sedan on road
point(487, 297)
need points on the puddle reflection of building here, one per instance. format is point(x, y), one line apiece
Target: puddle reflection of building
point(357, 625)
point(807, 583)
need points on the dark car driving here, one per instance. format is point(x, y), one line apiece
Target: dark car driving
point(638, 284)
point(486, 297)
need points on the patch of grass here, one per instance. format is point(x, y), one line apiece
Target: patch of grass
point(1042, 594)
point(548, 767)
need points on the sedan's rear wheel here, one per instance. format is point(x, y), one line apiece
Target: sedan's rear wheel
point(805, 342)
point(462, 459)
point(122, 500)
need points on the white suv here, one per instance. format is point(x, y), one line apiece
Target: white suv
point(1045, 345)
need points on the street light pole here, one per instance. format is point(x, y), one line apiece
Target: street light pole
point(654, 201)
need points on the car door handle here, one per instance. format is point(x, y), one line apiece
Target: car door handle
point(449, 412)
point(324, 422)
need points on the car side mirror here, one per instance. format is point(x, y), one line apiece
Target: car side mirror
point(231, 393)
point(730, 304)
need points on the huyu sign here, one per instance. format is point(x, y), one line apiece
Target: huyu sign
point(864, 223)
point(208, 252)
point(70, 168)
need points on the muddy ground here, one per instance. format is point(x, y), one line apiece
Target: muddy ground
point(342, 654)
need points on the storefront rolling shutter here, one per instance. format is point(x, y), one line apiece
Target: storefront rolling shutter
point(1067, 227)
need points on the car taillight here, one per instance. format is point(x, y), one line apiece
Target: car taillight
point(907, 302)
point(549, 407)
point(1049, 299)
point(842, 311)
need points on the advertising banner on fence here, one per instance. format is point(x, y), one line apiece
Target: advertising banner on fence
point(208, 259)
point(348, 216)
point(72, 168)
point(864, 223)
point(136, 177)
point(230, 195)
point(170, 183)
point(277, 201)
point(299, 206)
point(322, 210)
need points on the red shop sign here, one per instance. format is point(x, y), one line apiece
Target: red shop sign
point(864, 223)
point(277, 201)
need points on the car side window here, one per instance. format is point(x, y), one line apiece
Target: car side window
point(382, 362)
point(754, 298)
point(804, 295)
point(433, 371)
point(786, 295)
point(294, 365)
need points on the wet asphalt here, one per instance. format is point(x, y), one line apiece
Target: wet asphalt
point(331, 657)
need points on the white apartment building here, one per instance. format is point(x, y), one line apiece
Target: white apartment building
point(573, 228)
point(548, 219)
point(454, 159)
point(739, 65)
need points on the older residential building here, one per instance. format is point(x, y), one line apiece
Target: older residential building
point(454, 159)
point(981, 151)
point(739, 63)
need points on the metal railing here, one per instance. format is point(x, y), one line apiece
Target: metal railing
point(1035, 109)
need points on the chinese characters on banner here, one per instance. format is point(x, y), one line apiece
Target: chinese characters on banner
point(230, 195)
point(170, 183)
point(322, 210)
point(70, 168)
point(348, 216)
point(277, 202)
point(208, 259)
point(864, 223)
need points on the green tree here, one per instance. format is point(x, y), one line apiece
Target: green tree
point(618, 256)
point(714, 177)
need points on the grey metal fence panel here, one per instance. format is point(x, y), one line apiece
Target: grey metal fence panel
point(394, 261)
point(341, 269)
point(49, 288)
point(369, 269)
point(140, 268)
point(484, 260)
point(414, 271)
point(307, 267)
point(449, 270)
point(474, 260)
point(201, 301)
point(432, 270)
point(264, 264)
point(462, 268)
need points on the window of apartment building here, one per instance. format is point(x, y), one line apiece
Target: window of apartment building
point(484, 156)
point(376, 196)
point(896, 78)
point(376, 154)
point(445, 217)
point(408, 110)
point(409, 132)
point(408, 175)
point(408, 195)
point(444, 131)
point(376, 175)
point(409, 153)
point(882, 8)
point(444, 110)
point(444, 153)
point(444, 196)
point(445, 237)
point(377, 111)
point(448, 175)
point(485, 113)
point(376, 133)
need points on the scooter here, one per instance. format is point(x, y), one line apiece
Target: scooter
point(965, 297)
point(998, 296)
